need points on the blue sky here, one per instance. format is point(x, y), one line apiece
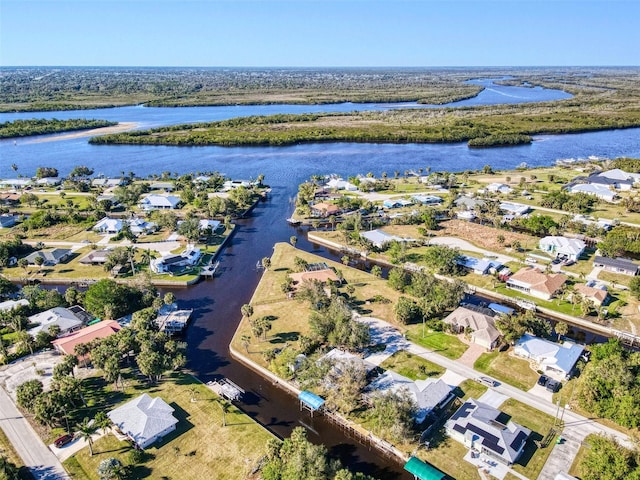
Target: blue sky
point(319, 33)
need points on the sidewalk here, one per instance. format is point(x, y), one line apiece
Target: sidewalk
point(36, 456)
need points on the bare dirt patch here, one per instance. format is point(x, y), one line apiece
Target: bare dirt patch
point(121, 127)
point(484, 236)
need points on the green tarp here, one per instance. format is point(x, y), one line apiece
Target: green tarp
point(422, 470)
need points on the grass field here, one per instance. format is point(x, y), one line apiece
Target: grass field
point(201, 446)
point(439, 342)
point(508, 369)
point(7, 451)
point(412, 366)
point(470, 389)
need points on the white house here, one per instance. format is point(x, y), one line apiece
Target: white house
point(340, 184)
point(534, 282)
point(171, 262)
point(379, 238)
point(499, 188)
point(428, 394)
point(601, 191)
point(233, 184)
point(62, 317)
point(109, 225)
point(555, 360)
point(9, 305)
point(516, 209)
point(562, 247)
point(476, 426)
point(212, 224)
point(159, 202)
point(144, 419)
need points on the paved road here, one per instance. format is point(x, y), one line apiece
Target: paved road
point(576, 426)
point(42, 463)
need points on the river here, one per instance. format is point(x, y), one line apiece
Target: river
point(217, 302)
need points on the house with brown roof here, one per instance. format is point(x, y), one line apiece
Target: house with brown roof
point(103, 329)
point(323, 209)
point(536, 283)
point(482, 327)
point(598, 296)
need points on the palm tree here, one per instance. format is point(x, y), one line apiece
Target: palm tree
point(246, 341)
point(247, 310)
point(102, 421)
point(86, 429)
point(266, 263)
point(561, 328)
point(131, 253)
point(226, 407)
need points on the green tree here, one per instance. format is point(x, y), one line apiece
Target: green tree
point(376, 271)
point(111, 469)
point(561, 328)
point(391, 416)
point(190, 229)
point(266, 263)
point(27, 393)
point(607, 459)
point(247, 310)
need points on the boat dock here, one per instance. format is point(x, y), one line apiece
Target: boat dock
point(226, 389)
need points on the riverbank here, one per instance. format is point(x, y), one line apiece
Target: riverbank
point(119, 128)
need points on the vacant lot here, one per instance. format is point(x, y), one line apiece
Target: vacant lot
point(507, 368)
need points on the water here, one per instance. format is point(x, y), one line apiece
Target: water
point(217, 303)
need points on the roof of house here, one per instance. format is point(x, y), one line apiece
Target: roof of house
point(537, 280)
point(478, 264)
point(143, 418)
point(428, 394)
point(96, 256)
point(60, 316)
point(574, 246)
point(427, 198)
point(622, 263)
point(482, 421)
point(483, 325)
point(8, 305)
point(380, 237)
point(594, 189)
point(544, 352)
point(54, 255)
point(592, 292)
point(164, 201)
point(329, 208)
point(206, 223)
point(469, 202)
point(515, 208)
point(101, 329)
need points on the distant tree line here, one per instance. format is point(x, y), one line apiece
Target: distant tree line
point(41, 126)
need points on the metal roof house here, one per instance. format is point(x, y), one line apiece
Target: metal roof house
point(601, 191)
point(144, 419)
point(555, 360)
point(562, 247)
point(477, 426)
point(623, 266)
point(159, 202)
point(379, 238)
point(51, 257)
point(62, 317)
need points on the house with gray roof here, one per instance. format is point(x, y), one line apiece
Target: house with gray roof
point(603, 192)
point(96, 257)
point(562, 247)
point(554, 359)
point(481, 428)
point(379, 238)
point(159, 202)
point(144, 419)
point(51, 257)
point(429, 394)
point(623, 266)
point(64, 318)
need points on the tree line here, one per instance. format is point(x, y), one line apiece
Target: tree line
point(41, 126)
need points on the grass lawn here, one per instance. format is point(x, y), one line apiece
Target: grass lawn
point(508, 369)
point(200, 444)
point(7, 450)
point(533, 458)
point(412, 366)
point(470, 389)
point(290, 316)
point(447, 455)
point(576, 469)
point(440, 342)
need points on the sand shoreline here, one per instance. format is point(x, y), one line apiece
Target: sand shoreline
point(120, 127)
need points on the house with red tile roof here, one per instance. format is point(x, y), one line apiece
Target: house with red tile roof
point(103, 329)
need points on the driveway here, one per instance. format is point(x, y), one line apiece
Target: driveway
point(383, 334)
point(36, 456)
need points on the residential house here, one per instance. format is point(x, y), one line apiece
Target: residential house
point(499, 188)
point(477, 265)
point(430, 394)
point(96, 257)
point(107, 182)
point(159, 202)
point(379, 238)
point(9, 305)
point(172, 263)
point(233, 184)
point(340, 184)
point(113, 226)
point(553, 359)
point(482, 327)
point(144, 419)
point(517, 209)
point(478, 427)
point(10, 198)
point(66, 319)
point(598, 296)
point(623, 266)
point(212, 224)
point(16, 183)
point(66, 345)
point(601, 191)
point(8, 221)
point(49, 181)
point(562, 247)
point(51, 257)
point(534, 282)
point(427, 199)
point(397, 203)
point(324, 210)
point(616, 178)
point(164, 186)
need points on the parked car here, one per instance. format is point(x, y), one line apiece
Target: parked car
point(553, 385)
point(543, 380)
point(63, 440)
point(489, 382)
